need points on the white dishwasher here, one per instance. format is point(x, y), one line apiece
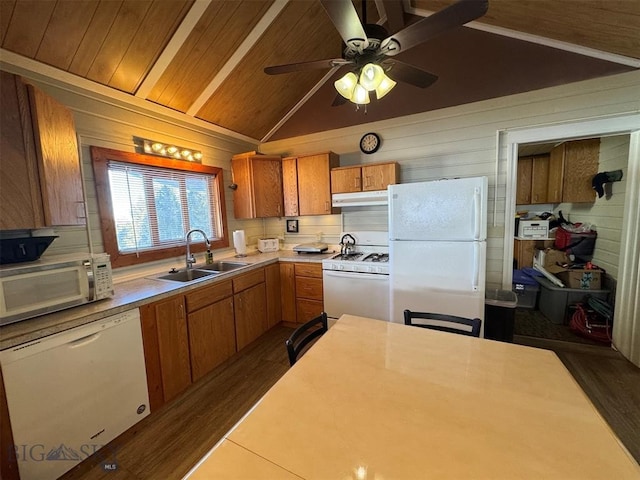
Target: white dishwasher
point(71, 393)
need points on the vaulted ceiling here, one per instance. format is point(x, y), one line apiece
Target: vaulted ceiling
point(205, 58)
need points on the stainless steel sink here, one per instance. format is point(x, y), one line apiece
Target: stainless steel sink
point(186, 276)
point(221, 266)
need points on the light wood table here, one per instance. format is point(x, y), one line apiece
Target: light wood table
point(376, 400)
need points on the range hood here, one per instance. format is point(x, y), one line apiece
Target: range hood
point(360, 199)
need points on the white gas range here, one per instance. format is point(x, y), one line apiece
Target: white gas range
point(356, 281)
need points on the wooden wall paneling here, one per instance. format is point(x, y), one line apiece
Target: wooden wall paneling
point(589, 23)
point(304, 26)
point(221, 29)
point(288, 291)
point(212, 337)
point(64, 33)
point(154, 32)
point(27, 18)
point(6, 9)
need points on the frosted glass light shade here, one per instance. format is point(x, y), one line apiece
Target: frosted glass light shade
point(360, 95)
point(346, 84)
point(385, 86)
point(371, 76)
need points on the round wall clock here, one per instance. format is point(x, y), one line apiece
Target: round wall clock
point(370, 143)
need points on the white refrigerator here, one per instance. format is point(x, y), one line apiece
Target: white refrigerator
point(437, 247)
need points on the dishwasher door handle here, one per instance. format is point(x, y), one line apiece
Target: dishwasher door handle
point(81, 342)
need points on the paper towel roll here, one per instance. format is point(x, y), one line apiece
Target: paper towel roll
point(239, 243)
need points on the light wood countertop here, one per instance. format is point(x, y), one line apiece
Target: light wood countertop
point(377, 400)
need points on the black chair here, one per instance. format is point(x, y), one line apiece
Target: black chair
point(444, 323)
point(302, 336)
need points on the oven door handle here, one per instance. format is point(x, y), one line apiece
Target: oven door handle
point(363, 275)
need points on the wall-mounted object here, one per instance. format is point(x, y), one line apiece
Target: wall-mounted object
point(292, 226)
point(601, 178)
point(169, 150)
point(370, 143)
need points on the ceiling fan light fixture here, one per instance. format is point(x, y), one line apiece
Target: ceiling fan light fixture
point(371, 76)
point(385, 86)
point(346, 85)
point(360, 95)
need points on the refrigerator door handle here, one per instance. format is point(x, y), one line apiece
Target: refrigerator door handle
point(476, 266)
point(477, 202)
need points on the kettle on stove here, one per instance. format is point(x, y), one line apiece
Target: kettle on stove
point(347, 244)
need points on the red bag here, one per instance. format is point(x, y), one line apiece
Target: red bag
point(579, 244)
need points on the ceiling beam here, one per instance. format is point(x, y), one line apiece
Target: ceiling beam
point(237, 56)
point(168, 54)
point(394, 11)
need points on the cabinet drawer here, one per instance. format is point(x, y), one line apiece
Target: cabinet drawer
point(207, 295)
point(308, 309)
point(309, 269)
point(309, 288)
point(248, 280)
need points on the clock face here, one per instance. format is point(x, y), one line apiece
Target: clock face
point(370, 143)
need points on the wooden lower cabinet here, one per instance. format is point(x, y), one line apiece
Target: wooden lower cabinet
point(166, 347)
point(212, 337)
point(301, 291)
point(274, 303)
point(250, 307)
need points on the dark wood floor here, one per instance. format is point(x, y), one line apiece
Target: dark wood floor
point(169, 442)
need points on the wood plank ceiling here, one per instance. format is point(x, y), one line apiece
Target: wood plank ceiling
point(205, 58)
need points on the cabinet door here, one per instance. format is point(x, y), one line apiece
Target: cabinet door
point(539, 179)
point(212, 337)
point(266, 173)
point(274, 305)
point(242, 195)
point(308, 309)
point(288, 291)
point(525, 170)
point(314, 183)
point(166, 349)
point(250, 307)
point(309, 288)
point(58, 160)
point(524, 252)
point(20, 201)
point(556, 174)
point(290, 186)
point(379, 176)
point(580, 165)
point(346, 180)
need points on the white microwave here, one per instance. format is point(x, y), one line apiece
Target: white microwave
point(51, 284)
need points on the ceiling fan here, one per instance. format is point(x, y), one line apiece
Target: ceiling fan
point(369, 48)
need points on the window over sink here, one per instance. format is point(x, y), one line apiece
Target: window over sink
point(147, 204)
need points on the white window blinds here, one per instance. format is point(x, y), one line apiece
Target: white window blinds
point(154, 207)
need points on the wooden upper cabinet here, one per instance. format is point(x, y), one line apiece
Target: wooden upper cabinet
point(533, 176)
point(290, 186)
point(523, 187)
point(40, 179)
point(259, 185)
point(556, 175)
point(581, 158)
point(313, 175)
point(363, 178)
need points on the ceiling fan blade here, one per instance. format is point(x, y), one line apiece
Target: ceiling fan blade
point(455, 15)
point(395, 14)
point(345, 18)
point(406, 73)
point(314, 65)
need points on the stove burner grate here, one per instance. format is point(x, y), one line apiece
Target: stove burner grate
point(377, 257)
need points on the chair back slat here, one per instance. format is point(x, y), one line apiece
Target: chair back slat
point(444, 323)
point(305, 334)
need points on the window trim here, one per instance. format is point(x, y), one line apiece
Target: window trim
point(100, 159)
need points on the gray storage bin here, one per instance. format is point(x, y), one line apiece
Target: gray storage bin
point(554, 300)
point(499, 314)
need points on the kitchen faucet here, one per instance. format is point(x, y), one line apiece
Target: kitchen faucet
point(190, 258)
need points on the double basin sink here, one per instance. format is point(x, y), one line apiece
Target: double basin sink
point(200, 272)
